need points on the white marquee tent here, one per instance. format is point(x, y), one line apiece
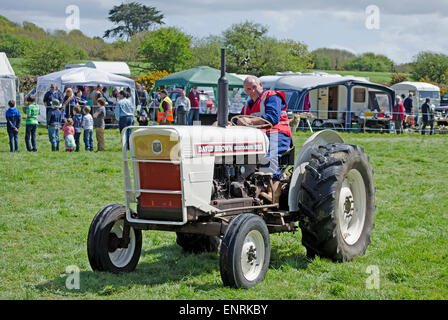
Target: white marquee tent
point(8, 85)
point(83, 76)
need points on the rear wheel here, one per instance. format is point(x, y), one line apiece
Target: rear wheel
point(337, 202)
point(245, 252)
point(107, 246)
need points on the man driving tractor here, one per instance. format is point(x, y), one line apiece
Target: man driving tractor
point(267, 107)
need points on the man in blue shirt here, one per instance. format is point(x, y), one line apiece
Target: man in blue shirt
point(124, 113)
point(51, 95)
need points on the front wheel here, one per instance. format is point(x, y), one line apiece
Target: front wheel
point(108, 248)
point(337, 202)
point(245, 252)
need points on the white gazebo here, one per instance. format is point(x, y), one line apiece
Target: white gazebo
point(83, 76)
point(8, 85)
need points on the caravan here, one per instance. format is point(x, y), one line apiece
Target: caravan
point(420, 91)
point(332, 97)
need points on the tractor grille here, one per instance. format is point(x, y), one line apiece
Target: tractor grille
point(159, 177)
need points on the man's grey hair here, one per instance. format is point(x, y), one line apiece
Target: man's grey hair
point(252, 79)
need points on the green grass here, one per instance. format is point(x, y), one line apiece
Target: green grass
point(378, 77)
point(49, 199)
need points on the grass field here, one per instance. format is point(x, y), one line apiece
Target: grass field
point(49, 199)
point(378, 77)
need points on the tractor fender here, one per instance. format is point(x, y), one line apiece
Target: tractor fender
point(320, 138)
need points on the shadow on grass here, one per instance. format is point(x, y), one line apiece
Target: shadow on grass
point(169, 265)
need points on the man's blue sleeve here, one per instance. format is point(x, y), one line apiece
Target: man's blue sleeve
point(273, 109)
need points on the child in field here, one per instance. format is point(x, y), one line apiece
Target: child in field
point(77, 123)
point(54, 123)
point(98, 122)
point(69, 132)
point(32, 110)
point(87, 124)
point(13, 119)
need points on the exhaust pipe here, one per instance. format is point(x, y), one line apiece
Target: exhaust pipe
point(223, 93)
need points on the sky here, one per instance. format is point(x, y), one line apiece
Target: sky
point(397, 29)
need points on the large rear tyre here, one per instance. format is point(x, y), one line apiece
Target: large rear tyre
point(245, 252)
point(337, 202)
point(105, 246)
point(198, 243)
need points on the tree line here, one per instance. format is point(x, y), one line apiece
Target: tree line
point(139, 36)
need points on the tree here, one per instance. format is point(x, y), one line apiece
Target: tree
point(321, 61)
point(251, 51)
point(243, 42)
point(132, 18)
point(338, 57)
point(47, 55)
point(167, 49)
point(207, 51)
point(431, 66)
point(370, 62)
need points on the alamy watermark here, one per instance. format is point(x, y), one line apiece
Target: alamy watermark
point(72, 281)
point(372, 17)
point(373, 281)
point(72, 21)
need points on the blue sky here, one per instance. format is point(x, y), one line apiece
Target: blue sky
point(405, 27)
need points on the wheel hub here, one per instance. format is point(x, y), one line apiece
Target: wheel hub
point(352, 207)
point(251, 254)
point(349, 207)
point(114, 242)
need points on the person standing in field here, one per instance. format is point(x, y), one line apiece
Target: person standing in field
point(54, 123)
point(124, 113)
point(32, 111)
point(398, 115)
point(99, 124)
point(69, 132)
point(69, 103)
point(51, 95)
point(77, 123)
point(427, 117)
point(182, 106)
point(13, 119)
point(407, 103)
point(193, 115)
point(87, 125)
point(165, 112)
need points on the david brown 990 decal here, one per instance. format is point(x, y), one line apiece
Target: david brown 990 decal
point(227, 148)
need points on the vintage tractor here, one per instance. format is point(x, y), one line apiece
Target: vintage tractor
point(206, 184)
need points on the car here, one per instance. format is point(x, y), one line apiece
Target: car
point(206, 104)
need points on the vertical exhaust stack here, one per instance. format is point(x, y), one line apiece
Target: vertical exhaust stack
point(223, 93)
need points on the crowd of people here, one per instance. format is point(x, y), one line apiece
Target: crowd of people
point(82, 110)
point(78, 110)
point(403, 107)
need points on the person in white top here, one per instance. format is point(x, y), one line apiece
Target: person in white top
point(87, 125)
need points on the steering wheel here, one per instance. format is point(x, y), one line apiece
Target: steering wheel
point(267, 123)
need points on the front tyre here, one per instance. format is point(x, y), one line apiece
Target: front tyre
point(337, 202)
point(245, 252)
point(106, 246)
